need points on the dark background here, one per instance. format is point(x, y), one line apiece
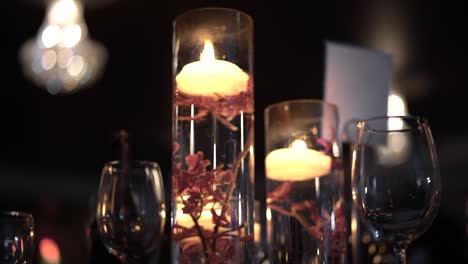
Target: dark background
point(53, 147)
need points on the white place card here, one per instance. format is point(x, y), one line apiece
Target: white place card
point(358, 80)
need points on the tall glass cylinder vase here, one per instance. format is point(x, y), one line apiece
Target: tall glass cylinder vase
point(213, 132)
point(304, 180)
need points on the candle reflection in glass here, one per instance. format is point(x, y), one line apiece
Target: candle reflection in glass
point(305, 215)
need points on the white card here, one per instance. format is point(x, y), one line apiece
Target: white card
point(358, 80)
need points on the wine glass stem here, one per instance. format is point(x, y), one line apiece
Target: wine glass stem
point(400, 254)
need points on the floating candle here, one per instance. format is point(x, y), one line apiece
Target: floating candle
point(210, 76)
point(297, 163)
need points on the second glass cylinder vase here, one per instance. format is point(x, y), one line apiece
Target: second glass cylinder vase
point(305, 216)
point(213, 132)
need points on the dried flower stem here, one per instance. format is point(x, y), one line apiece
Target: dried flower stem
point(235, 169)
point(225, 122)
point(200, 234)
point(223, 110)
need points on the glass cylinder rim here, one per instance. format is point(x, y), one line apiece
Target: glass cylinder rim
point(18, 215)
point(213, 8)
point(142, 163)
point(301, 101)
point(365, 124)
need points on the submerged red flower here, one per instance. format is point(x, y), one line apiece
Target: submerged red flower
point(199, 188)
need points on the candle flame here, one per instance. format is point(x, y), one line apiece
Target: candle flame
point(208, 54)
point(299, 145)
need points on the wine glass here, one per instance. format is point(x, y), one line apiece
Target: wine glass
point(396, 181)
point(16, 237)
point(130, 209)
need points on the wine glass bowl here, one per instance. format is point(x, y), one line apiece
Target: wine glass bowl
point(396, 180)
point(16, 237)
point(130, 209)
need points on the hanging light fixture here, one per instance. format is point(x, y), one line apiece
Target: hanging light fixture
point(62, 58)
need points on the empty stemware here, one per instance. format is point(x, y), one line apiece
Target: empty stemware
point(131, 211)
point(396, 181)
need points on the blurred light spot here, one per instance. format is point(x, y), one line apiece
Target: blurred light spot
point(257, 232)
point(103, 205)
point(71, 35)
point(51, 36)
point(104, 228)
point(49, 251)
point(332, 217)
point(53, 85)
point(75, 60)
point(317, 186)
point(396, 107)
point(397, 148)
point(376, 234)
point(63, 57)
point(49, 59)
point(314, 130)
point(366, 238)
point(282, 238)
point(372, 248)
point(62, 12)
point(336, 150)
point(22, 245)
point(353, 161)
point(69, 85)
point(382, 249)
point(75, 65)
point(353, 225)
point(268, 214)
point(377, 259)
point(36, 67)
point(136, 228)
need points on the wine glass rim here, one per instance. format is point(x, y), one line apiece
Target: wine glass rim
point(133, 162)
point(16, 214)
point(364, 124)
point(302, 101)
point(188, 13)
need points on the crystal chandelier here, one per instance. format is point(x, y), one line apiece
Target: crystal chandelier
point(62, 58)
